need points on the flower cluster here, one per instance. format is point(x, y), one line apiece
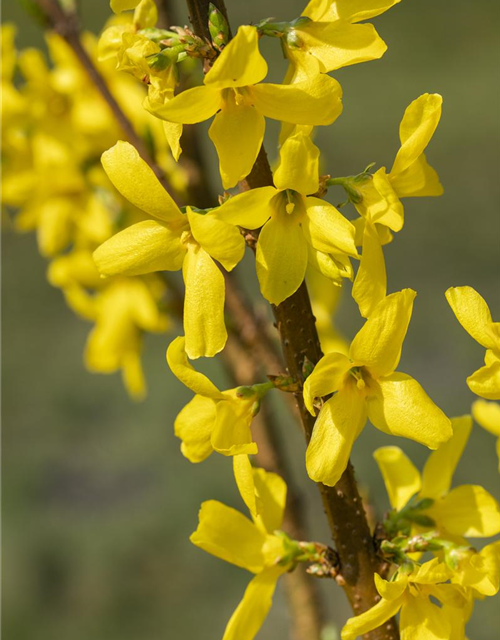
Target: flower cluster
point(110, 230)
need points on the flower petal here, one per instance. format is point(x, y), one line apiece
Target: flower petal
point(468, 511)
point(485, 382)
point(272, 490)
point(316, 101)
point(243, 474)
point(487, 414)
point(371, 619)
point(281, 258)
point(327, 228)
point(474, 315)
point(416, 129)
point(237, 133)
point(145, 247)
point(220, 240)
point(402, 408)
point(357, 10)
point(422, 620)
point(250, 614)
point(204, 325)
point(441, 464)
point(339, 423)
point(231, 435)
point(370, 285)
point(188, 107)
point(186, 373)
point(326, 378)
point(250, 209)
point(419, 179)
point(401, 477)
point(229, 535)
point(194, 425)
point(240, 63)
point(299, 165)
point(136, 181)
point(391, 589)
point(378, 343)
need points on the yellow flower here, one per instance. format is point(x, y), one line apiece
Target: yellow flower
point(420, 618)
point(232, 89)
point(380, 206)
point(176, 241)
point(367, 385)
point(251, 545)
point(479, 572)
point(487, 415)
point(122, 312)
point(297, 229)
point(467, 510)
point(474, 315)
point(213, 420)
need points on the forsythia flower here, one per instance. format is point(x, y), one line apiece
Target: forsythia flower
point(367, 385)
point(227, 534)
point(487, 415)
point(467, 510)
point(380, 206)
point(297, 228)
point(232, 89)
point(410, 593)
point(474, 315)
point(176, 241)
point(213, 420)
point(332, 39)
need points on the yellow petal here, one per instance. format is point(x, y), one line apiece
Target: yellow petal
point(401, 477)
point(243, 474)
point(299, 165)
point(487, 414)
point(281, 257)
point(231, 435)
point(355, 10)
point(422, 620)
point(188, 107)
point(372, 619)
point(144, 247)
point(402, 408)
point(316, 101)
point(186, 373)
point(326, 378)
point(431, 572)
point(227, 534)
point(237, 133)
point(55, 226)
point(390, 590)
point(416, 130)
point(378, 343)
point(380, 202)
point(272, 490)
point(133, 376)
point(254, 607)
point(370, 285)
point(339, 423)
point(474, 315)
point(327, 228)
point(204, 325)
point(332, 266)
point(419, 179)
point(220, 240)
point(194, 425)
point(250, 209)
point(117, 6)
point(441, 464)
point(240, 63)
point(173, 133)
point(468, 511)
point(136, 181)
point(485, 382)
point(338, 44)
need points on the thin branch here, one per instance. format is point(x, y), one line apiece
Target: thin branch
point(299, 338)
point(67, 25)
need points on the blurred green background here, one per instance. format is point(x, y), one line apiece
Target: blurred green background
point(98, 502)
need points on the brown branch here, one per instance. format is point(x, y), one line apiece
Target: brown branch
point(299, 338)
point(66, 24)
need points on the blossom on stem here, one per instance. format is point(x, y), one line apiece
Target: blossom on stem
point(233, 92)
point(173, 241)
point(366, 385)
point(474, 315)
point(297, 228)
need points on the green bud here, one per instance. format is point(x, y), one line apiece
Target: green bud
point(423, 521)
point(218, 27)
point(425, 503)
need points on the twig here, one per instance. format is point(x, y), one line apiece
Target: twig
point(66, 24)
point(299, 338)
